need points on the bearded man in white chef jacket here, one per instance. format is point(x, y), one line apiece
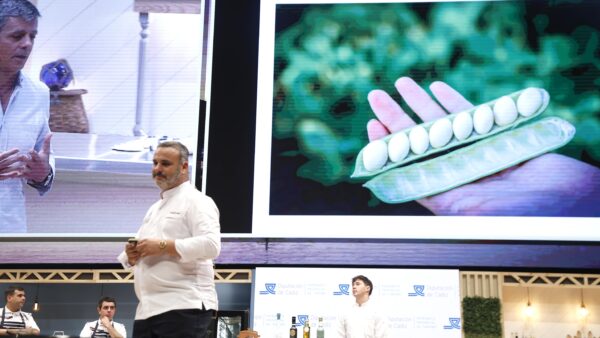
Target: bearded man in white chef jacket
point(173, 257)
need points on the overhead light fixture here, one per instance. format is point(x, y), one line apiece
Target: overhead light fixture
point(582, 311)
point(36, 304)
point(528, 311)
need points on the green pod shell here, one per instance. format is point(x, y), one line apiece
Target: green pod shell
point(472, 162)
point(361, 172)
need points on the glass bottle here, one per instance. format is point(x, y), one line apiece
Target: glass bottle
point(320, 329)
point(293, 329)
point(306, 329)
point(279, 326)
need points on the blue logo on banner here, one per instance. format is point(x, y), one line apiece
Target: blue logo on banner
point(418, 291)
point(270, 289)
point(302, 319)
point(343, 290)
point(454, 324)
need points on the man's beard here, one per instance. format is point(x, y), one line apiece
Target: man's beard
point(168, 182)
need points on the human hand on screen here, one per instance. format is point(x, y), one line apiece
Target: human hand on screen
point(547, 185)
point(11, 164)
point(37, 164)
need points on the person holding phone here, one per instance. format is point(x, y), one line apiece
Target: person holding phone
point(104, 326)
point(172, 258)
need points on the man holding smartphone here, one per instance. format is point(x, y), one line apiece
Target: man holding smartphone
point(173, 257)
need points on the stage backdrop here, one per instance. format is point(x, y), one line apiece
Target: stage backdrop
point(418, 303)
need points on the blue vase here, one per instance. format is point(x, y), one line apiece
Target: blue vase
point(56, 75)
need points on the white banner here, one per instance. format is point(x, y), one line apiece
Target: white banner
point(418, 303)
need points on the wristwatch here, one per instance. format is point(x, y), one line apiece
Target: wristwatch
point(162, 244)
point(48, 178)
point(43, 183)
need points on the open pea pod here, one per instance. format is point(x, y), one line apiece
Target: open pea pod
point(525, 113)
point(472, 162)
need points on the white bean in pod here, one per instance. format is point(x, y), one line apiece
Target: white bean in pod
point(440, 133)
point(398, 147)
point(419, 140)
point(375, 155)
point(505, 111)
point(483, 119)
point(530, 100)
point(462, 126)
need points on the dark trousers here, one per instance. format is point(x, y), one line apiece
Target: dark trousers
point(192, 323)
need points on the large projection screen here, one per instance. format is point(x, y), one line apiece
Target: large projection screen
point(131, 70)
point(102, 180)
point(287, 85)
point(318, 62)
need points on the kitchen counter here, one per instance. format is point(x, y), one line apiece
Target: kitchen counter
point(94, 153)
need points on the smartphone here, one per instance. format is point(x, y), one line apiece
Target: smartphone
point(133, 241)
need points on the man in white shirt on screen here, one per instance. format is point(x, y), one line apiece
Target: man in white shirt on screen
point(25, 152)
point(13, 321)
point(363, 320)
point(173, 257)
point(104, 326)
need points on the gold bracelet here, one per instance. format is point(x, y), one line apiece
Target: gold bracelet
point(162, 244)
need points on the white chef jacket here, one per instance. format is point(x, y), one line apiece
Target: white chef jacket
point(16, 320)
point(164, 283)
point(100, 331)
point(363, 321)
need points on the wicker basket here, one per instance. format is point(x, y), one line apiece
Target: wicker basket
point(67, 113)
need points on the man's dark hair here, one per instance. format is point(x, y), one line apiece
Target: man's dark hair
point(184, 153)
point(11, 291)
point(364, 280)
point(107, 300)
point(17, 8)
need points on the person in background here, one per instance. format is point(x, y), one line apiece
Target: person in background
point(172, 257)
point(104, 326)
point(362, 320)
point(25, 154)
point(13, 321)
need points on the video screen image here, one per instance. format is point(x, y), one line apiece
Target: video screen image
point(106, 116)
point(482, 113)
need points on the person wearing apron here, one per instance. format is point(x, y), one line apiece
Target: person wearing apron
point(104, 326)
point(13, 321)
